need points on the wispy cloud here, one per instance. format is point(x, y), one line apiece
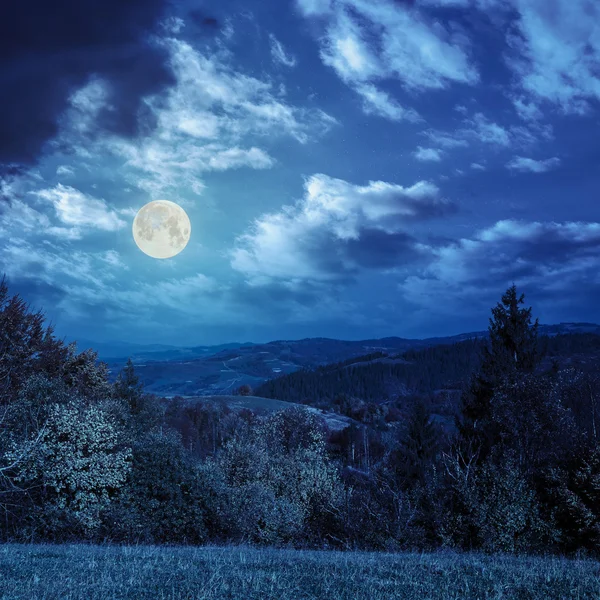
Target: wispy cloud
point(77, 209)
point(198, 128)
point(484, 130)
point(366, 42)
point(519, 163)
point(279, 54)
point(556, 53)
point(444, 139)
point(428, 154)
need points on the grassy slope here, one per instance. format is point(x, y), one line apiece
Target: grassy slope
point(334, 421)
point(70, 572)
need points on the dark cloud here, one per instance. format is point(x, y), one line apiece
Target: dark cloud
point(378, 249)
point(276, 296)
point(37, 293)
point(49, 49)
point(201, 19)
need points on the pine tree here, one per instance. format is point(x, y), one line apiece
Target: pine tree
point(419, 446)
point(129, 388)
point(512, 350)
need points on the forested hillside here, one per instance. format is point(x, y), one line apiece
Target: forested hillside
point(381, 377)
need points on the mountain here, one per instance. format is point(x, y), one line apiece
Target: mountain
point(121, 351)
point(439, 370)
point(210, 370)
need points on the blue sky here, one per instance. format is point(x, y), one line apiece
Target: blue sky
point(351, 168)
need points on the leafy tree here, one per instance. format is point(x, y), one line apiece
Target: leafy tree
point(278, 483)
point(244, 390)
point(25, 345)
point(162, 498)
point(85, 375)
point(80, 463)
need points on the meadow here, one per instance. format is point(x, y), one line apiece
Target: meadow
point(102, 572)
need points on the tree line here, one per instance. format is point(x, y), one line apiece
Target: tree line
point(85, 459)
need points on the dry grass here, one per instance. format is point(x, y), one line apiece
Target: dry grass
point(67, 572)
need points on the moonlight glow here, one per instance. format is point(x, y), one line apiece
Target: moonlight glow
point(161, 229)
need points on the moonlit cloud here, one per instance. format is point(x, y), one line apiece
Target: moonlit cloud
point(80, 210)
point(335, 229)
point(428, 154)
point(556, 52)
point(279, 54)
point(199, 128)
point(508, 251)
point(519, 163)
point(420, 53)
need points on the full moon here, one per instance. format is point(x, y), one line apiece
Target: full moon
point(161, 229)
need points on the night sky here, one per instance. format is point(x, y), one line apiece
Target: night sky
point(351, 168)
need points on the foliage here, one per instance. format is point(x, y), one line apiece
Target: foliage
point(161, 499)
point(278, 483)
point(512, 350)
point(81, 465)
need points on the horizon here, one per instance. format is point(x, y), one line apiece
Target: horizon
point(350, 169)
point(272, 341)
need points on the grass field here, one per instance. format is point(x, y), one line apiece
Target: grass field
point(67, 572)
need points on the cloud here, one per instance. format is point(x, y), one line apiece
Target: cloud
point(113, 258)
point(65, 170)
point(527, 110)
point(444, 140)
point(519, 163)
point(556, 51)
point(366, 42)
point(427, 154)
point(199, 128)
point(377, 102)
point(544, 257)
point(335, 230)
point(43, 58)
point(477, 167)
point(482, 129)
point(279, 54)
point(76, 209)
point(237, 157)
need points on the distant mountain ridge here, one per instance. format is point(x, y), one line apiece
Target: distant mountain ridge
point(220, 369)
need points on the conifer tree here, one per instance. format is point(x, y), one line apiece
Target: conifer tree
point(512, 350)
point(419, 446)
point(129, 388)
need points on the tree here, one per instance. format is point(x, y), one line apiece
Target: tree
point(276, 482)
point(24, 343)
point(129, 388)
point(416, 452)
point(80, 464)
point(244, 390)
point(162, 498)
point(84, 374)
point(512, 349)
point(143, 410)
